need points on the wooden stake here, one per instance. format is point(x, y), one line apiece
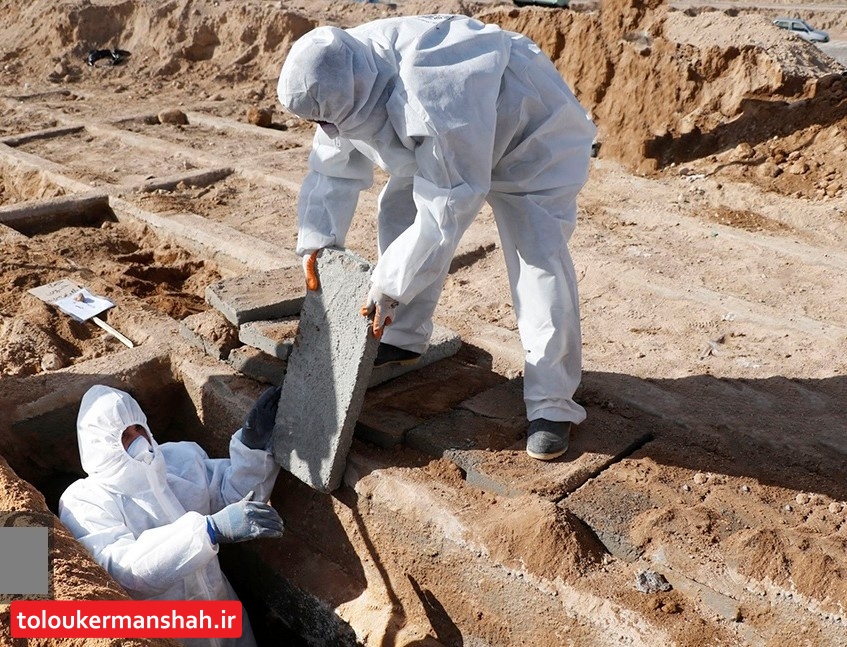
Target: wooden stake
point(113, 332)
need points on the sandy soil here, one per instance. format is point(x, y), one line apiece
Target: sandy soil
point(710, 253)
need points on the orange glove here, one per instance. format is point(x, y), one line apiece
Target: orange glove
point(382, 307)
point(310, 268)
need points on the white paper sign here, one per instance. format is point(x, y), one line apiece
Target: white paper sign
point(82, 305)
point(54, 291)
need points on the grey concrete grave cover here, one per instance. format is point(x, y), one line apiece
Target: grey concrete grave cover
point(327, 376)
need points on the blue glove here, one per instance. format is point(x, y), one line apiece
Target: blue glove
point(244, 520)
point(259, 425)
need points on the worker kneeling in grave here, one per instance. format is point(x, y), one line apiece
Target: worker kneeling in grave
point(153, 515)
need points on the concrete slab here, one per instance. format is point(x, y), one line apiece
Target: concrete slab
point(52, 213)
point(258, 365)
point(274, 337)
point(202, 177)
point(328, 373)
point(395, 407)
point(259, 295)
point(486, 438)
point(444, 343)
point(385, 427)
point(46, 133)
point(210, 332)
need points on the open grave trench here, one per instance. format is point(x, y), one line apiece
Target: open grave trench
point(444, 533)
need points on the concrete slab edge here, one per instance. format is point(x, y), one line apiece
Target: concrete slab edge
point(34, 215)
point(228, 247)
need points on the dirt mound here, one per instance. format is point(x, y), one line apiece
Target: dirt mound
point(191, 39)
point(36, 337)
point(33, 335)
point(538, 536)
point(792, 561)
point(666, 86)
point(195, 41)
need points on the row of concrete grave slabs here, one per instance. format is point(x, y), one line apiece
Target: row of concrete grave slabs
point(228, 172)
point(109, 153)
point(271, 148)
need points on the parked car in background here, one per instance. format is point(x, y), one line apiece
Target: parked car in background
point(543, 3)
point(803, 29)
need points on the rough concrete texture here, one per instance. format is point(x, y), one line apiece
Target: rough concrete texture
point(442, 344)
point(258, 365)
point(260, 295)
point(274, 337)
point(327, 375)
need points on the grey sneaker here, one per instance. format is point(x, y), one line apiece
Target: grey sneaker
point(387, 354)
point(546, 439)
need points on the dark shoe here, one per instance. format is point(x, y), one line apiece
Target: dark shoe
point(546, 439)
point(387, 354)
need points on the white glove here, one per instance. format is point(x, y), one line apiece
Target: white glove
point(382, 307)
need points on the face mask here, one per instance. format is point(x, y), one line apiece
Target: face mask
point(141, 450)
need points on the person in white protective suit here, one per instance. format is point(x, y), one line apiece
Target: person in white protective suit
point(457, 112)
point(153, 515)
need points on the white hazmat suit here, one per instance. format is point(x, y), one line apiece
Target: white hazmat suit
point(145, 523)
point(457, 112)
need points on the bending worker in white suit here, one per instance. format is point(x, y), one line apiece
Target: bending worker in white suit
point(457, 112)
point(153, 515)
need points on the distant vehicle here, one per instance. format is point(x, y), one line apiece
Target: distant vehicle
point(803, 29)
point(543, 3)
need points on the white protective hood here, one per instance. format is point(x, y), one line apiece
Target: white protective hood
point(330, 76)
point(104, 414)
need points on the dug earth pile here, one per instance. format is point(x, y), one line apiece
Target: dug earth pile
point(669, 87)
point(711, 260)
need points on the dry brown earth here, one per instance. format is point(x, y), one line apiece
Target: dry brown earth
point(711, 257)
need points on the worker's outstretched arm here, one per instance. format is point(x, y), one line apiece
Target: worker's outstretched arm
point(330, 192)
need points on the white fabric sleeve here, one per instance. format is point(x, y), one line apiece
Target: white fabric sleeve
point(146, 566)
point(330, 192)
point(230, 480)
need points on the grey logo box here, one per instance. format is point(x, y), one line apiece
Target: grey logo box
point(24, 560)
